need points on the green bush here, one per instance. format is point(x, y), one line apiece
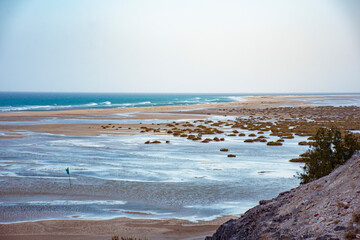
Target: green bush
point(329, 150)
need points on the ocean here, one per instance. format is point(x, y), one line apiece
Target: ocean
point(32, 101)
point(67, 101)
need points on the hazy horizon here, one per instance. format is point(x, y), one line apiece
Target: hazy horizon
point(180, 46)
point(190, 93)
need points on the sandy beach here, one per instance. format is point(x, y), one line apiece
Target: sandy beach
point(106, 229)
point(127, 227)
point(179, 112)
point(141, 113)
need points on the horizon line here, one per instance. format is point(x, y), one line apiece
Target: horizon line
point(212, 93)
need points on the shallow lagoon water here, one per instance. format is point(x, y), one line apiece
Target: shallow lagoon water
point(120, 176)
point(333, 100)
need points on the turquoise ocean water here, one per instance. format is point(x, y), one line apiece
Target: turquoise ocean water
point(31, 101)
point(66, 101)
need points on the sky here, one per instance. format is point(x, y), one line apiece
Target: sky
point(189, 46)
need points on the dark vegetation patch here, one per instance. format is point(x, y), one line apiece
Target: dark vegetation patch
point(330, 149)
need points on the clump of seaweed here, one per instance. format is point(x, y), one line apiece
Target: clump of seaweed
point(153, 142)
point(274, 144)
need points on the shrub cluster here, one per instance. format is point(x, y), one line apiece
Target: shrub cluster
point(330, 149)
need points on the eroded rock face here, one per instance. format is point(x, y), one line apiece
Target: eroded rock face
point(320, 210)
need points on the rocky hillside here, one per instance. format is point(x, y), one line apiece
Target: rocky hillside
point(328, 208)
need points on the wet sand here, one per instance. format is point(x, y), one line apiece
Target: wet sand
point(106, 229)
point(74, 129)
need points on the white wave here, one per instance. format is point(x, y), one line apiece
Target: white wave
point(91, 104)
point(32, 108)
point(141, 103)
point(125, 105)
point(237, 99)
point(106, 103)
point(49, 107)
point(122, 105)
point(190, 101)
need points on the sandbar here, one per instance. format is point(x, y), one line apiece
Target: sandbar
point(178, 112)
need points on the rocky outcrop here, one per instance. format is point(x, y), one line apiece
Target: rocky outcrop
point(328, 208)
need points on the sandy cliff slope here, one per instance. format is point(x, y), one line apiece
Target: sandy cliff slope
point(328, 208)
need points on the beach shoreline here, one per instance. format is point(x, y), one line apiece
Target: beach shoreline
point(105, 229)
point(175, 112)
point(139, 115)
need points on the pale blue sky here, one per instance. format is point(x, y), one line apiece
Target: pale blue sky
point(180, 46)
